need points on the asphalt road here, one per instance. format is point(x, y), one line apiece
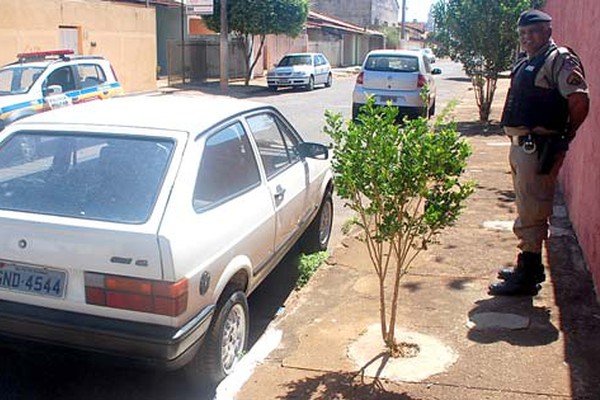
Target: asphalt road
point(44, 374)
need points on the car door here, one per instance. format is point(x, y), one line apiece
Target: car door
point(321, 69)
point(285, 171)
point(64, 78)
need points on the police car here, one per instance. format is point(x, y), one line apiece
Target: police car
point(44, 80)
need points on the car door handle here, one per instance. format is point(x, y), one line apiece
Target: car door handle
point(279, 193)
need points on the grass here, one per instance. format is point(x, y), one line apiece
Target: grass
point(307, 266)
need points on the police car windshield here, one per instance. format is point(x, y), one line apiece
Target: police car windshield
point(18, 79)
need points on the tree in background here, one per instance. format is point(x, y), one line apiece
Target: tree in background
point(482, 35)
point(249, 18)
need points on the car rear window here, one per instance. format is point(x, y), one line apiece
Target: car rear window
point(105, 178)
point(392, 63)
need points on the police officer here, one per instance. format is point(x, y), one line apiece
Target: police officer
point(547, 102)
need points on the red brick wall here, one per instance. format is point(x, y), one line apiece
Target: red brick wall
point(577, 24)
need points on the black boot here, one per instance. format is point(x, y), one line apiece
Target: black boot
point(533, 261)
point(523, 280)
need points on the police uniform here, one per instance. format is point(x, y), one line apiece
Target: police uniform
point(536, 113)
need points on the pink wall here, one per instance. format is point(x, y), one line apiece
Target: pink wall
point(577, 24)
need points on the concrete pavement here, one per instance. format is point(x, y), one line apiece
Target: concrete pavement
point(518, 348)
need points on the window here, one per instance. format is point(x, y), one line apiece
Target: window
point(16, 80)
point(83, 175)
point(228, 167)
point(392, 63)
point(90, 75)
point(290, 61)
point(62, 77)
point(276, 146)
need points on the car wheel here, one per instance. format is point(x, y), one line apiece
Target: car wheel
point(329, 81)
point(225, 341)
point(311, 84)
point(318, 233)
point(272, 88)
point(432, 110)
point(355, 110)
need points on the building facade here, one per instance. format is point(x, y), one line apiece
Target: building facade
point(367, 13)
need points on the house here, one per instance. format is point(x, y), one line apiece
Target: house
point(369, 13)
point(576, 27)
point(124, 32)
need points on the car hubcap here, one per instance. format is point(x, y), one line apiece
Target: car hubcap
point(234, 334)
point(325, 225)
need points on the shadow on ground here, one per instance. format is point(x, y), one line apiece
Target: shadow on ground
point(579, 312)
point(475, 128)
point(237, 90)
point(539, 333)
point(339, 386)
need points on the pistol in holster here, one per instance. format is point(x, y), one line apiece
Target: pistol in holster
point(548, 150)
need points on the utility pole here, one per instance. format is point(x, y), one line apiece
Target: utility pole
point(224, 49)
point(403, 30)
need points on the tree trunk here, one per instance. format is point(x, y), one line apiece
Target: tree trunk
point(484, 88)
point(249, 60)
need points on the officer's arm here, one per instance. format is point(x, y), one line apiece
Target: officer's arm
point(579, 106)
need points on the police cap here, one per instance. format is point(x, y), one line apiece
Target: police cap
point(533, 17)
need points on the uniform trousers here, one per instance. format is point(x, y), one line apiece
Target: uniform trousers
point(534, 197)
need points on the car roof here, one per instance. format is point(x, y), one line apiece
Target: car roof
point(396, 52)
point(41, 64)
point(302, 54)
point(167, 112)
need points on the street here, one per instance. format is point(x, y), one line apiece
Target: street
point(44, 374)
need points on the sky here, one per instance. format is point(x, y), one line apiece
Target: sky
point(416, 9)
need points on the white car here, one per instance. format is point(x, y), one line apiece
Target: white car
point(43, 80)
point(301, 70)
point(138, 226)
point(396, 77)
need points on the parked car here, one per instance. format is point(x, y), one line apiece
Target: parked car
point(43, 80)
point(429, 54)
point(396, 77)
point(301, 70)
point(138, 226)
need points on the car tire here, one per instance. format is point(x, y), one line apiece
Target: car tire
point(355, 110)
point(432, 110)
point(226, 339)
point(329, 81)
point(311, 83)
point(317, 235)
point(272, 88)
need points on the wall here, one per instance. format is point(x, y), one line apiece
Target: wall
point(355, 11)
point(577, 27)
point(123, 33)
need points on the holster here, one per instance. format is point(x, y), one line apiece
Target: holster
point(548, 150)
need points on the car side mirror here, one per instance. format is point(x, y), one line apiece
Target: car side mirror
point(313, 150)
point(52, 89)
point(436, 71)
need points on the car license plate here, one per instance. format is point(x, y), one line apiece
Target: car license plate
point(40, 281)
point(385, 99)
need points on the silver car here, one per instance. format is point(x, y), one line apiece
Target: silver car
point(301, 70)
point(396, 77)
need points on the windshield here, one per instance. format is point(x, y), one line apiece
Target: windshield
point(392, 63)
point(18, 79)
point(290, 61)
point(105, 178)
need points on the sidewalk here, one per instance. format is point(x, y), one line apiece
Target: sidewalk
point(544, 347)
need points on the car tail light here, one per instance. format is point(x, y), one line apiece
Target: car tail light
point(421, 81)
point(360, 79)
point(156, 297)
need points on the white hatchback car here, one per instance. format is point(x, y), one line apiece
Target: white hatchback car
point(138, 226)
point(301, 70)
point(396, 77)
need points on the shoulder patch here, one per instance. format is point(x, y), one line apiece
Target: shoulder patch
point(570, 64)
point(575, 78)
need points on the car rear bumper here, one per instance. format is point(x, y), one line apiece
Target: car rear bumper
point(410, 112)
point(399, 98)
point(142, 343)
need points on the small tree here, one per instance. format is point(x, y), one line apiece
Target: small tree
point(249, 18)
point(403, 183)
point(481, 34)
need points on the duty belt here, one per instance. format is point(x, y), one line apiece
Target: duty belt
point(527, 142)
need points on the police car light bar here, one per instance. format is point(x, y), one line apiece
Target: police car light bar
point(44, 54)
